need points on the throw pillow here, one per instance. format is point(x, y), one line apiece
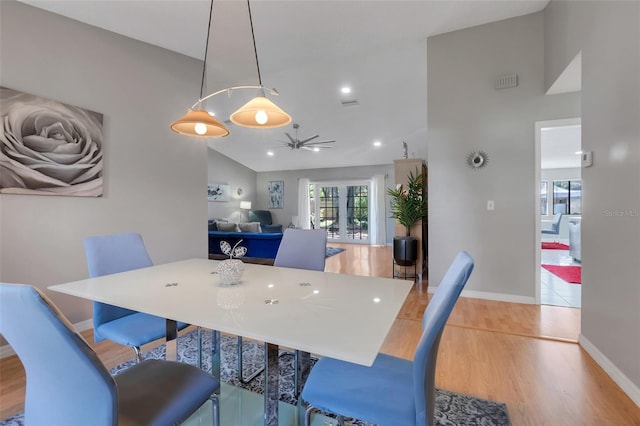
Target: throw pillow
point(227, 226)
point(271, 228)
point(250, 227)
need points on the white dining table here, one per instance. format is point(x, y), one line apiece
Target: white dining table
point(346, 317)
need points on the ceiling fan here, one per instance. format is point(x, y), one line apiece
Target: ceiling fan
point(295, 143)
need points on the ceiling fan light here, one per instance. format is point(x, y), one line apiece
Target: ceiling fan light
point(199, 123)
point(260, 112)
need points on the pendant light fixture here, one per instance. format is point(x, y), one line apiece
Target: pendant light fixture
point(198, 122)
point(259, 112)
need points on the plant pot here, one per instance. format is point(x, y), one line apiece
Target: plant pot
point(405, 250)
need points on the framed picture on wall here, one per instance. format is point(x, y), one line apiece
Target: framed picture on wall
point(48, 147)
point(275, 189)
point(218, 192)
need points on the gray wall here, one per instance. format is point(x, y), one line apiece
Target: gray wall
point(466, 113)
point(608, 34)
point(153, 178)
point(222, 169)
point(291, 177)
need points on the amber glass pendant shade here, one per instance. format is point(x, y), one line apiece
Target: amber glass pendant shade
point(260, 112)
point(199, 123)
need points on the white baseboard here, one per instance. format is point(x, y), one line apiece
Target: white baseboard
point(6, 350)
point(500, 297)
point(614, 372)
point(83, 325)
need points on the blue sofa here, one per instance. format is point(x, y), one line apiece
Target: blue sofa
point(266, 222)
point(259, 244)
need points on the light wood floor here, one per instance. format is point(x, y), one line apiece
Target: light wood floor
point(523, 355)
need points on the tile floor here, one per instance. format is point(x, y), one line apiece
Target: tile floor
point(553, 290)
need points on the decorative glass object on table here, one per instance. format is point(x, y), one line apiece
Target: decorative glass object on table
point(230, 270)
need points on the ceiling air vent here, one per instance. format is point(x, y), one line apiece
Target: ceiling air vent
point(349, 102)
point(506, 81)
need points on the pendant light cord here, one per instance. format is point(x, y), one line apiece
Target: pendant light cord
point(206, 50)
point(255, 50)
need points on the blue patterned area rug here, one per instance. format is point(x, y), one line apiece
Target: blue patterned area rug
point(332, 251)
point(452, 409)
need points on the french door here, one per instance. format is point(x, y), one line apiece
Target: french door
point(342, 209)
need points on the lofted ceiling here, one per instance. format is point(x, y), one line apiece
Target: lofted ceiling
point(308, 50)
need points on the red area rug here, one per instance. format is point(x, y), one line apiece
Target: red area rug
point(571, 274)
point(554, 246)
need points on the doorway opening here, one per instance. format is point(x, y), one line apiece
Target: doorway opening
point(342, 208)
point(559, 196)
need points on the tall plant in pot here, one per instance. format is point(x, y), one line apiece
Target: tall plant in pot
point(408, 205)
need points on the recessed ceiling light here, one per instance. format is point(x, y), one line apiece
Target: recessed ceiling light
point(316, 149)
point(377, 143)
point(578, 152)
point(270, 153)
point(346, 90)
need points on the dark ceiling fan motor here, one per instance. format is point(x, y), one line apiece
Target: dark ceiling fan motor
point(296, 143)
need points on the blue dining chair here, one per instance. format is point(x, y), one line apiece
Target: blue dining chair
point(300, 249)
point(110, 254)
point(67, 384)
point(393, 391)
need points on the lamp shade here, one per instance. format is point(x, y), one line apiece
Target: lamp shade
point(199, 123)
point(245, 205)
point(260, 112)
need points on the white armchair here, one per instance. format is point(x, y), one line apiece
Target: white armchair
point(574, 238)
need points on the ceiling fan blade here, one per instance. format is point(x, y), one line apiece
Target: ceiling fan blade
point(309, 139)
point(283, 144)
point(290, 138)
point(319, 142)
point(315, 148)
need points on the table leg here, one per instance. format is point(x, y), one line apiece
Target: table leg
point(302, 362)
point(215, 354)
point(171, 353)
point(271, 390)
point(199, 354)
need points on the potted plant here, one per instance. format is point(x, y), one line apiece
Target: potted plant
point(407, 207)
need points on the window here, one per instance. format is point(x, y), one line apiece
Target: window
point(342, 209)
point(567, 196)
point(329, 210)
point(544, 208)
point(358, 212)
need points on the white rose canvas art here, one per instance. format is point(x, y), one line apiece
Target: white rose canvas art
point(49, 148)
